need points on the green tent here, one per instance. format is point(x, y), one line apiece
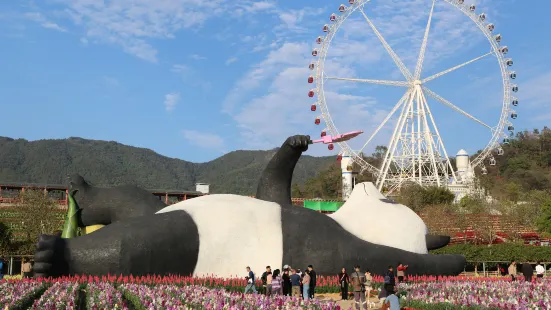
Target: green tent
point(325, 206)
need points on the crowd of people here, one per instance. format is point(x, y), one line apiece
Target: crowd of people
point(294, 282)
point(290, 282)
point(526, 269)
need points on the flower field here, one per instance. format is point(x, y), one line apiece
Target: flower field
point(176, 292)
point(518, 295)
point(141, 293)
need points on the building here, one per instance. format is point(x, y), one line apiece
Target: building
point(466, 181)
point(9, 193)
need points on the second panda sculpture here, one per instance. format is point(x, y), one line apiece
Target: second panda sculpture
point(222, 234)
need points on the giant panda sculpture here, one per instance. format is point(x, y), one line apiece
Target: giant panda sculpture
point(222, 234)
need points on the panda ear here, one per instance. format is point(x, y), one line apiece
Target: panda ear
point(435, 242)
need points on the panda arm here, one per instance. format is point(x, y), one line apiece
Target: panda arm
point(275, 182)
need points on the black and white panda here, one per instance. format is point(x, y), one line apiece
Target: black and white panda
point(222, 234)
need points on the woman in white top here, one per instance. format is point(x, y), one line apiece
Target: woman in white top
point(539, 270)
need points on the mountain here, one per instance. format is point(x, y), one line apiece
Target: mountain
point(108, 163)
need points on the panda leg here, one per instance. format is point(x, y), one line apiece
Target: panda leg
point(158, 244)
point(275, 182)
point(103, 206)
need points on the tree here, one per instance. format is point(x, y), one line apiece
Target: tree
point(5, 240)
point(544, 220)
point(417, 197)
point(296, 192)
point(38, 215)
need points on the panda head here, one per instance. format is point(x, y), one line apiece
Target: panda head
point(370, 216)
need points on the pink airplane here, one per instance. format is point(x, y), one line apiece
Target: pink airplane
point(338, 138)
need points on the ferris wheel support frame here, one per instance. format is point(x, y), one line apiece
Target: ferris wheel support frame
point(425, 146)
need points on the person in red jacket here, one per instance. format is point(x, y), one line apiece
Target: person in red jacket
point(401, 272)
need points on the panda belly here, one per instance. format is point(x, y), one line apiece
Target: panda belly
point(234, 232)
point(369, 216)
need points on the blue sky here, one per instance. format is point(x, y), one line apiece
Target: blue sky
point(194, 79)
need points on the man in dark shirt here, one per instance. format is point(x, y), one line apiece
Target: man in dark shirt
point(286, 282)
point(389, 276)
point(312, 281)
point(250, 281)
point(295, 283)
point(528, 272)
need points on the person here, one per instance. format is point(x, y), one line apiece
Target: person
point(344, 280)
point(539, 271)
point(276, 283)
point(513, 270)
point(368, 281)
point(501, 270)
point(401, 272)
point(301, 275)
point(269, 280)
point(306, 285)
point(295, 283)
point(264, 278)
point(1, 268)
point(392, 302)
point(313, 279)
point(528, 272)
point(250, 281)
point(26, 269)
point(286, 282)
point(389, 276)
point(357, 279)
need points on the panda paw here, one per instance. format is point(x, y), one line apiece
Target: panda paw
point(299, 142)
point(49, 257)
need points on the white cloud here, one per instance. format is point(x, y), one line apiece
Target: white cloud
point(43, 21)
point(179, 68)
point(84, 41)
point(204, 140)
point(131, 24)
point(197, 57)
point(231, 60)
point(171, 100)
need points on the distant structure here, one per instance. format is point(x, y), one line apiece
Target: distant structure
point(202, 188)
point(347, 175)
point(466, 180)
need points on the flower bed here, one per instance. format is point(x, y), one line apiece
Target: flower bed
point(175, 292)
point(61, 295)
point(200, 297)
point(20, 294)
point(482, 294)
point(102, 295)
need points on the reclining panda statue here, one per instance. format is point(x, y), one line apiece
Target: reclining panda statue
point(222, 234)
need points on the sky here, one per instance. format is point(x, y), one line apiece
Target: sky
point(195, 79)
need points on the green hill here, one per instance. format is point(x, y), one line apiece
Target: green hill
point(108, 163)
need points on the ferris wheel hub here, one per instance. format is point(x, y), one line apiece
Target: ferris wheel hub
point(417, 82)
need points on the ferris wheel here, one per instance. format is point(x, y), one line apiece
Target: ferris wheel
point(416, 151)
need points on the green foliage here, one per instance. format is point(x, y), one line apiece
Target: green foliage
point(498, 252)
point(5, 239)
point(108, 163)
point(38, 215)
point(327, 184)
point(417, 197)
point(526, 165)
point(544, 220)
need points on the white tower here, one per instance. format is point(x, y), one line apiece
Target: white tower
point(464, 169)
point(346, 169)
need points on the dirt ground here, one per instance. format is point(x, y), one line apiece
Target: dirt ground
point(346, 304)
